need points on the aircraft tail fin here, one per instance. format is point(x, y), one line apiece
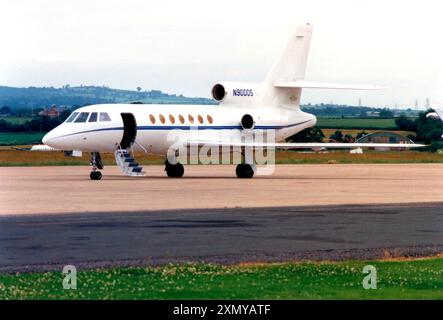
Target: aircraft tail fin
point(290, 66)
point(284, 83)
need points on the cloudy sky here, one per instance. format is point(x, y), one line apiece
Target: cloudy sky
point(186, 46)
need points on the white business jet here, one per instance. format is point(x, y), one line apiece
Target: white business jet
point(273, 104)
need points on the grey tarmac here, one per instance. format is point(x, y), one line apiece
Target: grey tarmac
point(226, 235)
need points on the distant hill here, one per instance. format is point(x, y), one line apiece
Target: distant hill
point(35, 97)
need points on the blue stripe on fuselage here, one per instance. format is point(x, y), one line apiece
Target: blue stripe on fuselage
point(238, 127)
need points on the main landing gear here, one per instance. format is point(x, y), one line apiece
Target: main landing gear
point(96, 162)
point(244, 171)
point(174, 170)
point(95, 175)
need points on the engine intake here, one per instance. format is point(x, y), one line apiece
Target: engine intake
point(235, 93)
point(247, 122)
point(218, 92)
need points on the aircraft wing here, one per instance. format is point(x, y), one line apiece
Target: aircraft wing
point(323, 85)
point(42, 147)
point(302, 145)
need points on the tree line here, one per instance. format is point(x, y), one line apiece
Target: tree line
point(36, 124)
point(425, 131)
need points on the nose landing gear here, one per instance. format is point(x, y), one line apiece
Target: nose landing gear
point(96, 162)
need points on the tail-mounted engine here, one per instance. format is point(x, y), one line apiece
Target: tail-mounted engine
point(239, 93)
point(247, 122)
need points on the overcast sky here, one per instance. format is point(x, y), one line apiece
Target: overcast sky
point(186, 46)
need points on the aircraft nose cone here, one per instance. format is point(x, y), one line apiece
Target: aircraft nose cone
point(45, 139)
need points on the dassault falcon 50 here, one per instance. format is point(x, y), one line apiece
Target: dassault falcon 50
point(267, 109)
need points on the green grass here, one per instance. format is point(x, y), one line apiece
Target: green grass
point(369, 156)
point(357, 123)
point(16, 120)
point(14, 158)
point(418, 279)
point(10, 139)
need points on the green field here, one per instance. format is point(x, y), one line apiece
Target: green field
point(412, 279)
point(11, 139)
point(11, 157)
point(16, 120)
point(357, 123)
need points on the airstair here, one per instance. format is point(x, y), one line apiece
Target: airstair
point(126, 161)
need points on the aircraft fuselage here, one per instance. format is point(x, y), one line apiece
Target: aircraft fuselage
point(154, 124)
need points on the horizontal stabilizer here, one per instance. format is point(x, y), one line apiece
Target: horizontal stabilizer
point(323, 85)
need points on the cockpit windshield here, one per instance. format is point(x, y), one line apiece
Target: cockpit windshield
point(93, 117)
point(104, 116)
point(72, 117)
point(82, 117)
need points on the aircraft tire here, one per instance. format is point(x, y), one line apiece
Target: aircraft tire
point(95, 175)
point(244, 171)
point(175, 170)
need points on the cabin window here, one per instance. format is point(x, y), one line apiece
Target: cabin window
point(104, 116)
point(152, 118)
point(171, 118)
point(82, 117)
point(200, 119)
point(93, 117)
point(162, 119)
point(209, 119)
point(181, 118)
point(191, 119)
point(72, 117)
